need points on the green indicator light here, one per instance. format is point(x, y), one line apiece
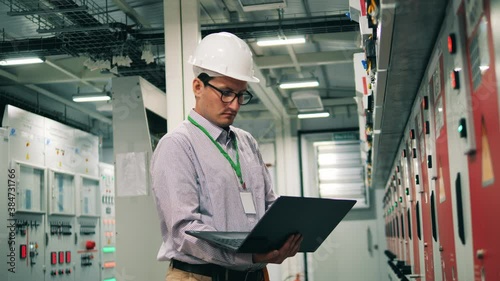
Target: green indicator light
point(400, 199)
point(110, 279)
point(407, 191)
point(108, 249)
point(460, 128)
point(395, 204)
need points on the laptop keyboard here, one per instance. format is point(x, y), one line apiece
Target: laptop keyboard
point(234, 242)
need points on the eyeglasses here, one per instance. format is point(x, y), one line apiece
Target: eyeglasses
point(228, 96)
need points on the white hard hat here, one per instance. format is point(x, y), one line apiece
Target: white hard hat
point(226, 54)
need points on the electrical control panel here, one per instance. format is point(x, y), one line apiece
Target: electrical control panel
point(108, 239)
point(57, 211)
point(62, 234)
point(87, 265)
point(452, 134)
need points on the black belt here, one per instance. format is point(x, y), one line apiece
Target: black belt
point(218, 273)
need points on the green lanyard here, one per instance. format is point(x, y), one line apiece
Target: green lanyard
point(236, 166)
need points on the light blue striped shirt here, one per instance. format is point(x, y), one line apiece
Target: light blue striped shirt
point(196, 188)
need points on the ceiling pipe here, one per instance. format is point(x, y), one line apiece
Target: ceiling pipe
point(244, 30)
point(257, 29)
point(48, 11)
point(295, 62)
point(131, 12)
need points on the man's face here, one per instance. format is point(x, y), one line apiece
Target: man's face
point(209, 103)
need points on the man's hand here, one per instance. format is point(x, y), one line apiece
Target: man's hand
point(289, 249)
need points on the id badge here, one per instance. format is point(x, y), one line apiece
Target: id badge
point(247, 201)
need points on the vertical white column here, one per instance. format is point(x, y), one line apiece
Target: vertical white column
point(287, 183)
point(182, 34)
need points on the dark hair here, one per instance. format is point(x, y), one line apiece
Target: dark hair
point(205, 78)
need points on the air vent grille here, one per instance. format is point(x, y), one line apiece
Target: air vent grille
point(259, 5)
point(307, 101)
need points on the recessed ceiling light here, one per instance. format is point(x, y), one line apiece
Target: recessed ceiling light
point(278, 41)
point(19, 61)
point(301, 83)
point(313, 115)
point(91, 97)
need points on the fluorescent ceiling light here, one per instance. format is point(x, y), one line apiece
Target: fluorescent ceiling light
point(313, 115)
point(91, 97)
point(19, 61)
point(278, 42)
point(299, 84)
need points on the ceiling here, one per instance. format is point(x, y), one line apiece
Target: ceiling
point(413, 41)
point(71, 33)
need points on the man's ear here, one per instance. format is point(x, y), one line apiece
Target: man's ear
point(197, 87)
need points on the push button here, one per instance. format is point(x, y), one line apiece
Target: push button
point(89, 245)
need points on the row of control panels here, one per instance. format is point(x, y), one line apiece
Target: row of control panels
point(63, 246)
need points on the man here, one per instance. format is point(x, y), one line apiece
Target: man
point(205, 171)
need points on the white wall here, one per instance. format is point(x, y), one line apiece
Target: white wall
point(356, 243)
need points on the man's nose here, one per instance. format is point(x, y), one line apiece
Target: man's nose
point(234, 104)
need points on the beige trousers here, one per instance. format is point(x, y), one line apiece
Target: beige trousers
point(175, 274)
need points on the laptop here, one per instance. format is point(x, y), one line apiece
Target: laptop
point(314, 218)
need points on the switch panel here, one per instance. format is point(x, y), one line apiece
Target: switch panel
point(108, 239)
point(53, 170)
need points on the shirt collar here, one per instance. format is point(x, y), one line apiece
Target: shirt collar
point(216, 132)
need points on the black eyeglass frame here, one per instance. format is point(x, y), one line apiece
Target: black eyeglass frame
point(205, 79)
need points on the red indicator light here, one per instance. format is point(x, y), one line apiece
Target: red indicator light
point(412, 134)
point(68, 256)
point(61, 257)
point(53, 257)
point(23, 251)
point(397, 169)
point(404, 153)
point(451, 44)
point(455, 83)
point(110, 264)
point(425, 102)
point(90, 245)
